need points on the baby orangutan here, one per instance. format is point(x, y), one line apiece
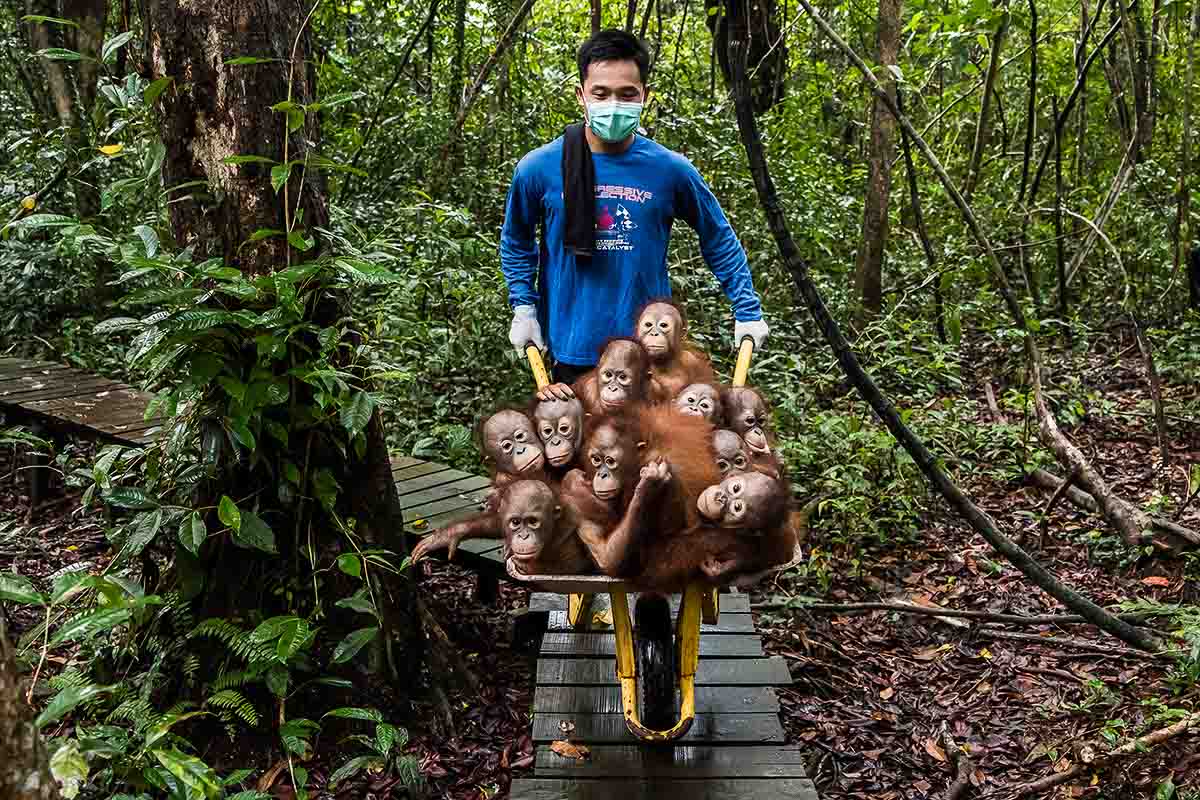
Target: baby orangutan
point(674, 362)
point(701, 400)
point(539, 534)
point(560, 427)
point(618, 381)
point(732, 453)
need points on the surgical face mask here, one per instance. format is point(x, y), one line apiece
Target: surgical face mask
point(613, 120)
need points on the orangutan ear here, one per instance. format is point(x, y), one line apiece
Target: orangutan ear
point(641, 446)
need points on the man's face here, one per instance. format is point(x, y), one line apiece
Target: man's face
point(611, 80)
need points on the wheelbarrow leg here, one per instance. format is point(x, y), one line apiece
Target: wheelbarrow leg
point(579, 608)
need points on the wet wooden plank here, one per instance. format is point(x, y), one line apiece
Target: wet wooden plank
point(770, 671)
point(726, 623)
point(462, 486)
point(548, 601)
point(668, 789)
point(402, 462)
point(734, 645)
point(438, 520)
point(428, 481)
point(21, 366)
point(721, 729)
point(636, 761)
point(29, 388)
point(472, 500)
point(416, 470)
point(607, 700)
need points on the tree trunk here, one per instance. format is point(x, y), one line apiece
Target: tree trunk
point(983, 128)
point(38, 35)
point(223, 111)
point(88, 40)
point(597, 15)
point(868, 268)
point(24, 769)
point(455, 87)
point(1183, 216)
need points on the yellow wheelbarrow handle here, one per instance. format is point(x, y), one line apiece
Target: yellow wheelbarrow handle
point(540, 376)
point(742, 368)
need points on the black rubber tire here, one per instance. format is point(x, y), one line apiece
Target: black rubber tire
point(655, 645)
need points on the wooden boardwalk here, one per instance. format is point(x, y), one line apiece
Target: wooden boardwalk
point(735, 748)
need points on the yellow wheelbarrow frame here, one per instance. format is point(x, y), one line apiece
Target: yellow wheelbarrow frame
point(700, 603)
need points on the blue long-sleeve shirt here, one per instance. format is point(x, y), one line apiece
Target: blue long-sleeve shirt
point(639, 194)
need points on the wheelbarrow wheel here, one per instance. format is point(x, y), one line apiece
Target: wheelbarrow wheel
point(656, 661)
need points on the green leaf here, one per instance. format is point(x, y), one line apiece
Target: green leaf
point(113, 45)
point(88, 625)
point(368, 714)
point(193, 532)
point(227, 512)
point(348, 648)
point(66, 700)
point(44, 221)
point(130, 497)
point(296, 239)
point(350, 564)
point(325, 487)
point(62, 54)
point(291, 639)
point(357, 413)
point(116, 324)
point(242, 61)
point(149, 239)
point(69, 767)
point(145, 529)
point(155, 90)
point(277, 680)
point(54, 20)
point(18, 589)
point(254, 533)
point(194, 774)
point(350, 769)
point(295, 119)
point(279, 175)
point(357, 602)
point(247, 160)
point(385, 738)
point(266, 233)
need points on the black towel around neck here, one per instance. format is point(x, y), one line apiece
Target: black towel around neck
point(579, 192)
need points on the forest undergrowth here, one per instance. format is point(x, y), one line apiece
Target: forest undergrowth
point(885, 704)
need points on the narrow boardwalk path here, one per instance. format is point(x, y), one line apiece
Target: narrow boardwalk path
point(735, 748)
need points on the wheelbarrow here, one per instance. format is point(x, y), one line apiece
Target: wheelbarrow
point(663, 659)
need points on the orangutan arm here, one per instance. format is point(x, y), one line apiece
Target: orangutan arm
point(617, 554)
point(482, 526)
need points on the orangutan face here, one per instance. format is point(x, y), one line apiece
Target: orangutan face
point(742, 500)
point(620, 374)
point(560, 427)
point(732, 453)
point(609, 458)
point(700, 400)
point(528, 513)
point(748, 418)
point(510, 440)
point(660, 330)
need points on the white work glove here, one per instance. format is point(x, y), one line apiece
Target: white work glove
point(525, 329)
point(756, 329)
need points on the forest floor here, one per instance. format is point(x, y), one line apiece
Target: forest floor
point(887, 705)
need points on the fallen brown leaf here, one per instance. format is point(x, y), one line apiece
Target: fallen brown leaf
point(1156, 580)
point(566, 749)
point(269, 777)
point(887, 693)
point(932, 748)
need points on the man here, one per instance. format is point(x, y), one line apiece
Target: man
point(598, 261)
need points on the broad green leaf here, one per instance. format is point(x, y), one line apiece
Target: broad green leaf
point(279, 175)
point(325, 487)
point(69, 767)
point(291, 639)
point(44, 221)
point(62, 54)
point(367, 714)
point(149, 239)
point(155, 90)
point(66, 700)
point(357, 413)
point(352, 768)
point(295, 119)
point(254, 533)
point(18, 589)
point(130, 497)
point(349, 647)
point(297, 240)
point(266, 233)
point(114, 44)
point(144, 530)
point(242, 61)
point(69, 584)
point(357, 602)
point(55, 20)
point(350, 564)
point(116, 324)
point(385, 738)
point(277, 680)
point(247, 160)
point(89, 625)
point(198, 778)
point(227, 512)
point(193, 532)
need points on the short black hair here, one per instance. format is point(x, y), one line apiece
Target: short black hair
point(613, 45)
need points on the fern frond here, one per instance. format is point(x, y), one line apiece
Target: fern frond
point(235, 703)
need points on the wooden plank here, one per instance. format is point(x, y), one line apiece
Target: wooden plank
point(461, 486)
point(669, 789)
point(427, 481)
point(734, 645)
point(472, 500)
point(738, 603)
point(726, 623)
point(722, 729)
point(10, 367)
point(770, 671)
point(438, 520)
point(401, 462)
point(636, 761)
point(607, 700)
point(26, 388)
point(416, 470)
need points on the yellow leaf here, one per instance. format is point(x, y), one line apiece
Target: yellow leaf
point(602, 617)
point(29, 202)
point(985, 653)
point(419, 524)
point(569, 750)
point(73, 548)
point(111, 149)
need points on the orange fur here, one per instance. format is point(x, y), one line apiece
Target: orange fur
point(685, 442)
